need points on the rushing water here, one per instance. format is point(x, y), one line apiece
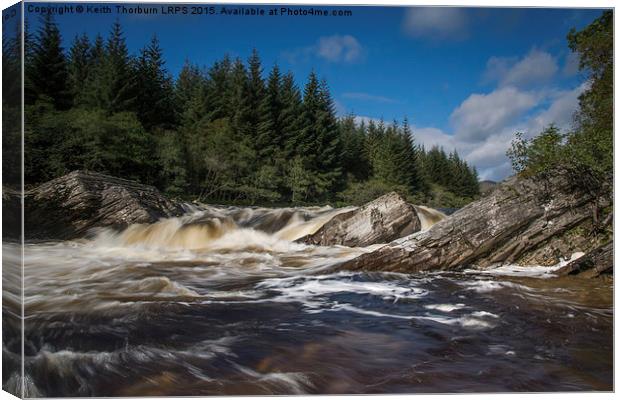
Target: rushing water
point(223, 301)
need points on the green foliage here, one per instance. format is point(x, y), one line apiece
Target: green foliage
point(80, 60)
point(61, 141)
point(439, 197)
point(449, 172)
point(269, 131)
point(542, 153)
point(155, 94)
point(586, 153)
point(171, 156)
point(299, 180)
point(46, 72)
point(11, 107)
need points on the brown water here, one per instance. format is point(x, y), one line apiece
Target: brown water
point(222, 301)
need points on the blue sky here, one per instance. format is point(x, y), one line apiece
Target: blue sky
point(467, 78)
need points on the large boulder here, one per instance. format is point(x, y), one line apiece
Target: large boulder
point(382, 220)
point(69, 206)
point(524, 221)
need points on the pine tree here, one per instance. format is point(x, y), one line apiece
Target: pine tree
point(374, 138)
point(291, 115)
point(79, 66)
point(354, 161)
point(117, 78)
point(306, 138)
point(269, 132)
point(190, 94)
point(154, 88)
point(92, 93)
point(254, 96)
point(328, 146)
point(47, 73)
point(218, 93)
point(237, 97)
point(413, 154)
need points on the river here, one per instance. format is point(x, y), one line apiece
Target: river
point(222, 301)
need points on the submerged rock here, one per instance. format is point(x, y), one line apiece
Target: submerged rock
point(382, 220)
point(69, 206)
point(523, 221)
point(597, 262)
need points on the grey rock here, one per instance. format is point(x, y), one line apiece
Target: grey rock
point(69, 206)
point(597, 262)
point(487, 187)
point(522, 221)
point(380, 221)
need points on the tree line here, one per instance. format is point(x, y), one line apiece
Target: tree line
point(225, 133)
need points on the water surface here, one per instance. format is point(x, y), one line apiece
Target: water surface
point(223, 301)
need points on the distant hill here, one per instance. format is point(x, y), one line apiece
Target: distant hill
point(487, 186)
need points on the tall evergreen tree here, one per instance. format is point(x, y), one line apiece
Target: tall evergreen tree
point(417, 179)
point(305, 139)
point(218, 93)
point(79, 66)
point(190, 92)
point(47, 73)
point(237, 97)
point(354, 160)
point(92, 93)
point(117, 79)
point(254, 96)
point(154, 88)
point(291, 114)
point(269, 130)
point(328, 145)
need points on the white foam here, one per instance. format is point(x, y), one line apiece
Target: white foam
point(472, 321)
point(444, 307)
point(310, 287)
point(486, 286)
point(295, 382)
point(530, 271)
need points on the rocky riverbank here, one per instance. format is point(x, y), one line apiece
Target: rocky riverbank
point(522, 221)
point(70, 206)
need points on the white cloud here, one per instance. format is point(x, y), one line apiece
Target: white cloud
point(339, 48)
point(335, 48)
point(571, 64)
point(481, 115)
point(436, 22)
point(361, 118)
point(368, 97)
point(560, 112)
point(535, 68)
point(429, 137)
point(488, 153)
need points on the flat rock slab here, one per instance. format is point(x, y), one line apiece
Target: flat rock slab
point(69, 206)
point(382, 220)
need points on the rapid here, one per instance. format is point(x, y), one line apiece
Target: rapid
point(223, 301)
